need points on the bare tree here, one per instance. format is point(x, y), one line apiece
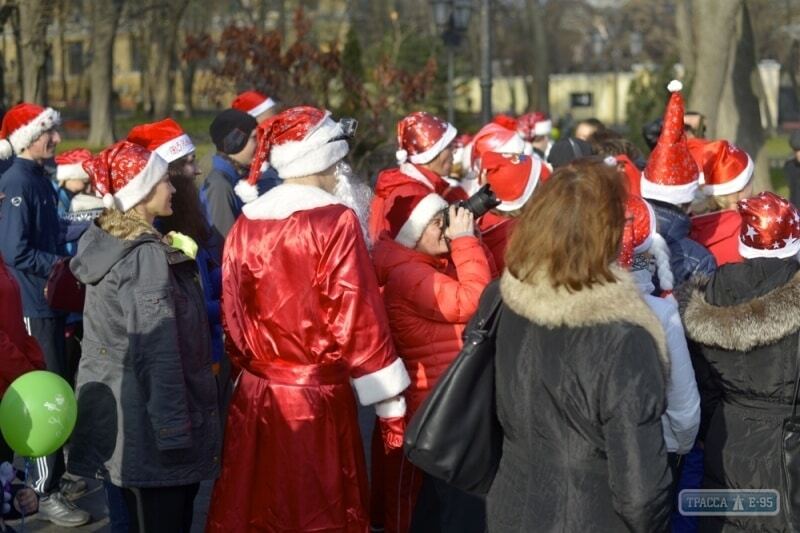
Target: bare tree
point(35, 16)
point(538, 90)
point(104, 16)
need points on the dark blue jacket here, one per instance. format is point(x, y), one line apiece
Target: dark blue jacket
point(687, 257)
point(211, 279)
point(30, 232)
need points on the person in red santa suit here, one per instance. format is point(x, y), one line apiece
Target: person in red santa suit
point(302, 310)
point(728, 178)
point(493, 137)
point(428, 309)
point(425, 158)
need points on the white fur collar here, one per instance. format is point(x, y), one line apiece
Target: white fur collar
point(413, 172)
point(287, 199)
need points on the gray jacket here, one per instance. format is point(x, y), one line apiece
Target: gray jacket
point(147, 396)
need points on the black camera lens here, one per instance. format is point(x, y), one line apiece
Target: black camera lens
point(478, 204)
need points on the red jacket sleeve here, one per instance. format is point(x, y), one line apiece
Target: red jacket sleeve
point(17, 361)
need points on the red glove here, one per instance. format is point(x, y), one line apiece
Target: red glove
point(392, 430)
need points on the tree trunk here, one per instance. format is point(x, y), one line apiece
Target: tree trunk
point(34, 17)
point(104, 15)
point(541, 60)
point(684, 23)
point(164, 26)
point(188, 72)
point(62, 47)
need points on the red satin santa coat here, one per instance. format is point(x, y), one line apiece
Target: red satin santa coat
point(302, 308)
point(495, 234)
point(406, 180)
point(719, 232)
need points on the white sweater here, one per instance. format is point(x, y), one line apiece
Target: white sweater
point(682, 419)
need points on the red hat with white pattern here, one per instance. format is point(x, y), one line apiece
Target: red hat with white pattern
point(513, 177)
point(422, 136)
point(495, 138)
point(165, 137)
point(410, 215)
point(640, 236)
point(727, 169)
point(770, 227)
point(253, 103)
point(536, 124)
point(23, 124)
point(69, 164)
point(507, 121)
point(125, 173)
point(632, 173)
point(297, 142)
point(671, 174)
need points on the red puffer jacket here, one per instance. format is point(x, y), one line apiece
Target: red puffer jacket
point(19, 352)
point(429, 309)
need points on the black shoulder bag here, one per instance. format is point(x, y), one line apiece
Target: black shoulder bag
point(791, 457)
point(455, 435)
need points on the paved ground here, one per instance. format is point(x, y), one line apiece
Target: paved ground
point(94, 500)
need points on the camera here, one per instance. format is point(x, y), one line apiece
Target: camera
point(349, 126)
point(478, 204)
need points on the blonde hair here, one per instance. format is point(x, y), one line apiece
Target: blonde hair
point(126, 226)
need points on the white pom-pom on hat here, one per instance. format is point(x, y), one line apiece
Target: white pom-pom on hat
point(401, 155)
point(674, 86)
point(108, 201)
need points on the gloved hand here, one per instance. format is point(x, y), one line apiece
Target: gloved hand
point(392, 430)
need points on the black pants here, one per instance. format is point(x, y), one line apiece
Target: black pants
point(46, 472)
point(161, 509)
point(442, 508)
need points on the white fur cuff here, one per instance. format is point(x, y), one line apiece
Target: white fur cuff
point(386, 383)
point(391, 408)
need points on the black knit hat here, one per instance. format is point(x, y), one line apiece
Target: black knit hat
point(565, 151)
point(231, 129)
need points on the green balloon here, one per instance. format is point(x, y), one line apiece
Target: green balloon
point(38, 413)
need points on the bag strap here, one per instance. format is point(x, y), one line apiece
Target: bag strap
point(796, 378)
point(487, 320)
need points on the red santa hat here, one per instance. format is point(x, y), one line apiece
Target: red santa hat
point(632, 173)
point(410, 215)
point(23, 124)
point(727, 169)
point(125, 173)
point(421, 137)
point(494, 138)
point(165, 137)
point(671, 174)
point(253, 103)
point(513, 177)
point(770, 227)
point(297, 142)
point(640, 236)
point(507, 121)
point(534, 124)
point(69, 164)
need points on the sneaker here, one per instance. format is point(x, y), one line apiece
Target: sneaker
point(72, 488)
point(61, 511)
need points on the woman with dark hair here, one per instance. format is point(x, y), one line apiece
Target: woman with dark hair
point(581, 368)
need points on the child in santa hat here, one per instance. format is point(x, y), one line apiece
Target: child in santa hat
point(744, 324)
point(428, 309)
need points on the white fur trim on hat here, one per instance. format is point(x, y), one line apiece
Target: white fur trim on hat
point(420, 217)
point(543, 128)
point(247, 192)
point(748, 252)
point(176, 148)
point(430, 154)
point(672, 194)
point(72, 171)
point(315, 153)
point(735, 185)
point(23, 137)
point(266, 105)
point(383, 384)
point(140, 186)
point(533, 180)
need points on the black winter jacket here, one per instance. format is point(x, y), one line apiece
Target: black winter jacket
point(580, 385)
point(743, 326)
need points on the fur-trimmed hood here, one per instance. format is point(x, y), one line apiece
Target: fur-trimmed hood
point(600, 304)
point(742, 327)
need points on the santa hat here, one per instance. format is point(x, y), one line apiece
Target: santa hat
point(410, 215)
point(421, 137)
point(69, 164)
point(513, 177)
point(253, 103)
point(125, 173)
point(727, 169)
point(770, 227)
point(23, 124)
point(507, 121)
point(165, 137)
point(494, 138)
point(640, 236)
point(534, 124)
point(632, 173)
point(297, 142)
point(671, 174)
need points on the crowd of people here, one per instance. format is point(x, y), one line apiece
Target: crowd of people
point(647, 340)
